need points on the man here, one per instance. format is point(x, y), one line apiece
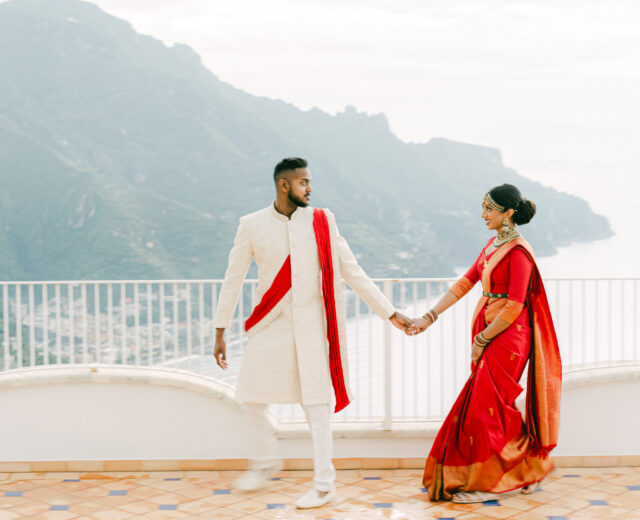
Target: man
point(296, 348)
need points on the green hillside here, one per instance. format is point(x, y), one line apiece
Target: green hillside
point(122, 158)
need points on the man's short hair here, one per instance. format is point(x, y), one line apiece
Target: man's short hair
point(287, 164)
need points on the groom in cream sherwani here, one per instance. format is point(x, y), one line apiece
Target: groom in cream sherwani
point(297, 349)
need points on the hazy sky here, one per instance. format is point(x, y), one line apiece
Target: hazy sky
point(551, 82)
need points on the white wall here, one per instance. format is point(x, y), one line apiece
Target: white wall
point(78, 413)
point(599, 414)
point(119, 413)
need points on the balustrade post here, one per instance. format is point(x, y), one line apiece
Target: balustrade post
point(388, 292)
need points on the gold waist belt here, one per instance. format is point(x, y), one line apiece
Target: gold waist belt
point(495, 295)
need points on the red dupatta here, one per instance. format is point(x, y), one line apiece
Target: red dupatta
point(544, 378)
point(323, 239)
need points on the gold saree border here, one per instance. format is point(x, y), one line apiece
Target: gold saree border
point(513, 468)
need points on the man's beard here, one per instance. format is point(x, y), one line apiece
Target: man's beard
point(300, 202)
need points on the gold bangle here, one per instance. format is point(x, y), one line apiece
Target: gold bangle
point(480, 340)
point(483, 337)
point(428, 317)
point(431, 316)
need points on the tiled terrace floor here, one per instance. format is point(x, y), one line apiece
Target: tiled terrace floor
point(363, 494)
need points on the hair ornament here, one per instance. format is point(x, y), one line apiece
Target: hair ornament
point(488, 200)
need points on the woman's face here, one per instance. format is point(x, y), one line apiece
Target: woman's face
point(492, 217)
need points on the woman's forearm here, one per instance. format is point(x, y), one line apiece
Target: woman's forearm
point(494, 328)
point(447, 300)
point(484, 337)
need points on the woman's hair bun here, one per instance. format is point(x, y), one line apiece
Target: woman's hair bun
point(509, 197)
point(524, 212)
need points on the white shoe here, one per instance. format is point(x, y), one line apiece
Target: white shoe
point(474, 497)
point(257, 477)
point(315, 498)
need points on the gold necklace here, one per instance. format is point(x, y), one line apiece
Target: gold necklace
point(502, 238)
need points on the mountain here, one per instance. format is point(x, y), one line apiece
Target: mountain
point(121, 158)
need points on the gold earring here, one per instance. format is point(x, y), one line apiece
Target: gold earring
point(505, 225)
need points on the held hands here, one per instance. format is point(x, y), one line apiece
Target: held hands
point(400, 321)
point(418, 326)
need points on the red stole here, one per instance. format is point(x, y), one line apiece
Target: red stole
point(281, 285)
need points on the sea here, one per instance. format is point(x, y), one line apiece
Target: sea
point(614, 193)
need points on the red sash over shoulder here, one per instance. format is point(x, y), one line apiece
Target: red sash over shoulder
point(281, 285)
point(323, 239)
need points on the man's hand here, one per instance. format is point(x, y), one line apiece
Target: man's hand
point(220, 350)
point(400, 321)
point(418, 325)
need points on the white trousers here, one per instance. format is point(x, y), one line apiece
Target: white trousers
point(266, 443)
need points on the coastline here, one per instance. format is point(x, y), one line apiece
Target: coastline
point(611, 192)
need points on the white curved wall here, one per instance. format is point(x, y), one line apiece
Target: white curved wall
point(119, 413)
point(83, 413)
point(599, 414)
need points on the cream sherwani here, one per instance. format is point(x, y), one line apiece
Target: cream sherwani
point(287, 357)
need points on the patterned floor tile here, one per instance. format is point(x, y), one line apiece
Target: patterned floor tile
point(194, 492)
point(628, 500)
point(164, 515)
point(609, 488)
point(171, 486)
point(197, 507)
point(55, 515)
point(139, 507)
point(550, 510)
point(499, 512)
point(571, 493)
point(221, 514)
point(167, 498)
point(600, 513)
point(30, 509)
point(40, 494)
point(199, 475)
point(112, 514)
point(375, 485)
point(88, 508)
point(222, 501)
point(249, 507)
point(9, 515)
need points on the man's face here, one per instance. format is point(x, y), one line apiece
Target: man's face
point(300, 187)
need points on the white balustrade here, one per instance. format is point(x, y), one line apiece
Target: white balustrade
point(394, 378)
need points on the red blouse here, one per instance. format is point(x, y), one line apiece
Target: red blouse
point(511, 276)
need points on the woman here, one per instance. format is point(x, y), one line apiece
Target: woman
point(484, 447)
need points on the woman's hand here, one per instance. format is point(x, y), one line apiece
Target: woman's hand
point(476, 352)
point(418, 325)
point(480, 342)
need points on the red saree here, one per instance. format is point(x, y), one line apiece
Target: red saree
point(484, 444)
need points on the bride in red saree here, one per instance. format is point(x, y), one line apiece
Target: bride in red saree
point(484, 446)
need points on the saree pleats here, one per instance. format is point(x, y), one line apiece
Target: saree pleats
point(484, 444)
